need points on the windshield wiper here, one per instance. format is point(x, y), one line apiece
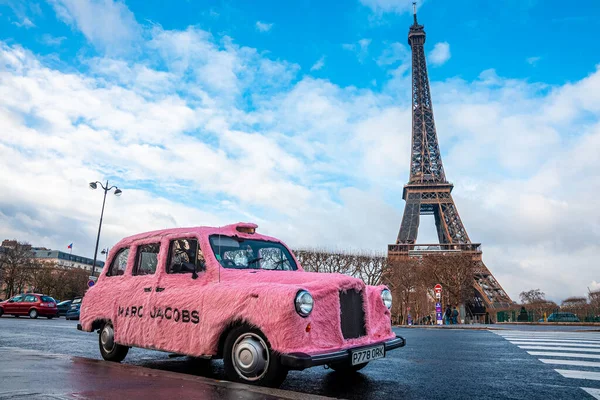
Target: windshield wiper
point(254, 260)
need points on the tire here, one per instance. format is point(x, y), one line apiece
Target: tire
point(110, 350)
point(346, 367)
point(33, 314)
point(262, 367)
point(1, 311)
point(49, 317)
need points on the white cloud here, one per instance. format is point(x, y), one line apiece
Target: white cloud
point(440, 54)
point(319, 64)
point(25, 23)
point(107, 24)
point(50, 40)
point(396, 6)
point(361, 48)
point(533, 60)
point(393, 53)
point(263, 26)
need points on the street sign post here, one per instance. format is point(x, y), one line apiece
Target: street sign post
point(438, 305)
point(90, 283)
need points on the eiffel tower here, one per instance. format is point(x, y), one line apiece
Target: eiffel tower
point(429, 193)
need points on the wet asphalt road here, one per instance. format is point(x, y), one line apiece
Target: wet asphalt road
point(435, 364)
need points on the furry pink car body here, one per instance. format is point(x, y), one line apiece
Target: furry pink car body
point(152, 303)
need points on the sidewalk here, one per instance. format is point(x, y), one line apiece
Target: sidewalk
point(34, 375)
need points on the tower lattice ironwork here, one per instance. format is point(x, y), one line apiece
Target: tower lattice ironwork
point(429, 193)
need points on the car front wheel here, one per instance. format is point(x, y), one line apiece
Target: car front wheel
point(248, 358)
point(110, 350)
point(33, 314)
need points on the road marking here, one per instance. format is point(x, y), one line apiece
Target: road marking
point(574, 374)
point(595, 342)
point(548, 338)
point(576, 363)
point(560, 354)
point(537, 342)
point(582, 349)
point(593, 392)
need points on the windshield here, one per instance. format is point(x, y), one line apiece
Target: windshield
point(238, 253)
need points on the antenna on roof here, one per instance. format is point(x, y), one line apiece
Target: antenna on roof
point(415, 11)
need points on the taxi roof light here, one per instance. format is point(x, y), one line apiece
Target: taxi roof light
point(246, 228)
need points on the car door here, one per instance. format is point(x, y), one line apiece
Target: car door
point(133, 308)
point(11, 307)
point(28, 302)
point(175, 312)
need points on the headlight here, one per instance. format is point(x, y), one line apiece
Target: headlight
point(386, 296)
point(304, 303)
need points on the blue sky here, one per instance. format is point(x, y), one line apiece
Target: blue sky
point(559, 40)
point(296, 115)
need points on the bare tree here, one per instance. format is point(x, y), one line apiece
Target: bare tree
point(15, 263)
point(532, 296)
point(577, 305)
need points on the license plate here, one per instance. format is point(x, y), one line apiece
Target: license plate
point(366, 355)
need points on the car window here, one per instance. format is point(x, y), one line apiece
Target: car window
point(146, 259)
point(185, 256)
point(30, 299)
point(48, 299)
point(17, 299)
point(119, 263)
point(239, 253)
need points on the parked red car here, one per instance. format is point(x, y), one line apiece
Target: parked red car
point(31, 304)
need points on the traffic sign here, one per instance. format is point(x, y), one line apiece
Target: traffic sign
point(437, 288)
point(90, 283)
point(438, 295)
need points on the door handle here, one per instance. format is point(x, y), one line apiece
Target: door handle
point(147, 289)
point(160, 289)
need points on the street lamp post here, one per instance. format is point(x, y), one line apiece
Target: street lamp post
point(94, 185)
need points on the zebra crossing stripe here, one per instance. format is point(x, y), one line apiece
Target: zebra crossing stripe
point(597, 343)
point(561, 354)
point(593, 392)
point(575, 363)
point(581, 349)
point(575, 374)
point(596, 346)
point(586, 339)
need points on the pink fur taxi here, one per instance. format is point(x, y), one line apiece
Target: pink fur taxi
point(207, 306)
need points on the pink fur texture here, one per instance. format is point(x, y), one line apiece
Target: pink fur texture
point(208, 305)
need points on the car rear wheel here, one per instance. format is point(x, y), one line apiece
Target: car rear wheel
point(346, 367)
point(49, 317)
point(1, 311)
point(248, 358)
point(110, 350)
point(33, 314)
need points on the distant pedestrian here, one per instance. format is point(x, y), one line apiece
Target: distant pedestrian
point(429, 320)
point(448, 315)
point(454, 315)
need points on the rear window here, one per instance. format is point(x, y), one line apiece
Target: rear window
point(48, 299)
point(76, 301)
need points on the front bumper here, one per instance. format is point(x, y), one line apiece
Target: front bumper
point(300, 361)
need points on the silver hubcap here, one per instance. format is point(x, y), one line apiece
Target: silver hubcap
point(250, 356)
point(107, 338)
point(33, 313)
